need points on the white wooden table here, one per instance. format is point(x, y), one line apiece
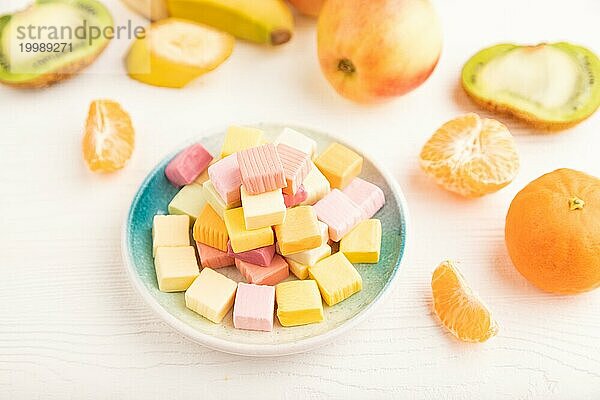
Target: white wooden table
point(71, 326)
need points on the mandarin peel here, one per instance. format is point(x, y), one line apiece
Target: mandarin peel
point(552, 232)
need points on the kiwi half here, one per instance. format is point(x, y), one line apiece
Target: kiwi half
point(66, 51)
point(550, 85)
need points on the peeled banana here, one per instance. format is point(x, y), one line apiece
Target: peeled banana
point(151, 9)
point(260, 21)
point(175, 52)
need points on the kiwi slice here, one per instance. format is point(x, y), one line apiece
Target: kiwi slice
point(52, 40)
point(550, 85)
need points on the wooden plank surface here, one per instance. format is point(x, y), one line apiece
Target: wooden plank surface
point(71, 326)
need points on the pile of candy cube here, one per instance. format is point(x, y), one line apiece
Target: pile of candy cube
point(267, 209)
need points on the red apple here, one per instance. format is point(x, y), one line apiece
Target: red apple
point(308, 7)
point(372, 50)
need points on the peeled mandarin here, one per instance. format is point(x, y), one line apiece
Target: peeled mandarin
point(109, 137)
point(471, 156)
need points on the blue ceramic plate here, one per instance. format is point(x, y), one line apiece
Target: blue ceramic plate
point(155, 194)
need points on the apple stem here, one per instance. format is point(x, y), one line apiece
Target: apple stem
point(346, 66)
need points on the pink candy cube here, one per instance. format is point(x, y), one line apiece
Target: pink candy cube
point(277, 271)
point(339, 213)
point(213, 258)
point(225, 177)
point(367, 196)
point(261, 169)
point(296, 165)
point(295, 199)
point(188, 165)
point(254, 307)
point(262, 256)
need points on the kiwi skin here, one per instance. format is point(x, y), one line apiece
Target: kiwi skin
point(65, 72)
point(529, 118)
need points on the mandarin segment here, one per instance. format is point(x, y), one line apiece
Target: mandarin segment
point(471, 156)
point(459, 309)
point(109, 137)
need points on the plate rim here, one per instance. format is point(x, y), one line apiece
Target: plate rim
point(253, 349)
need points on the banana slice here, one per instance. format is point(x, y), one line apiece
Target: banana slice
point(176, 51)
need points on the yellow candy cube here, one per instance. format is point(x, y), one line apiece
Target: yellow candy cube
point(211, 295)
point(215, 200)
point(241, 138)
point(188, 201)
point(300, 231)
point(210, 229)
point(298, 269)
point(176, 268)
point(339, 164)
point(203, 177)
point(363, 243)
point(298, 303)
point(312, 256)
point(316, 186)
point(263, 210)
point(337, 278)
point(243, 239)
point(170, 231)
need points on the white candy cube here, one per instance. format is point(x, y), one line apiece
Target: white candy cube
point(170, 231)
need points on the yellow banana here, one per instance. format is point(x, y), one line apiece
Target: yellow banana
point(260, 21)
